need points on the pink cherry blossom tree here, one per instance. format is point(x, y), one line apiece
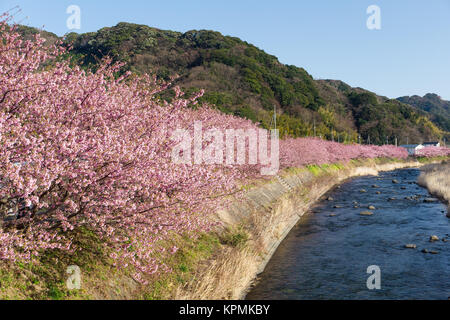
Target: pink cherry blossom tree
point(433, 152)
point(94, 150)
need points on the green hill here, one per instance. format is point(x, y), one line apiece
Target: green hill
point(241, 79)
point(438, 108)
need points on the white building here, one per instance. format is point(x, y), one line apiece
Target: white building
point(412, 148)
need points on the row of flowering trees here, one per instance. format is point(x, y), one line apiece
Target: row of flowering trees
point(93, 150)
point(433, 152)
point(304, 151)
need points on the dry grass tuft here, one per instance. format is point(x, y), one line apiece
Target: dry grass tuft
point(225, 277)
point(436, 178)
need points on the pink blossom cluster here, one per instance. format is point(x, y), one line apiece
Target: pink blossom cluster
point(304, 151)
point(93, 150)
point(433, 152)
point(83, 149)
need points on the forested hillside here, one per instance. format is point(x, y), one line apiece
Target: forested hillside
point(438, 108)
point(243, 80)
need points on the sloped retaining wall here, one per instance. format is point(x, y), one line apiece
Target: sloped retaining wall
point(267, 214)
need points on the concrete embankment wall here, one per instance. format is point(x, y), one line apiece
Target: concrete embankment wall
point(267, 214)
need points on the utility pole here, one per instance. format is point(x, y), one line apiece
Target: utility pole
point(314, 124)
point(275, 116)
point(396, 144)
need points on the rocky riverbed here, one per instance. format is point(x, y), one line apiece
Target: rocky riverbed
point(326, 256)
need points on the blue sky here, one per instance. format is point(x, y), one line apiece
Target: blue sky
point(329, 38)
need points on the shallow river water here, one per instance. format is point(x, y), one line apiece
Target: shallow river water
point(327, 254)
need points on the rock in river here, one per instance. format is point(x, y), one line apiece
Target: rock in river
point(429, 200)
point(371, 208)
point(434, 238)
point(366, 213)
point(410, 246)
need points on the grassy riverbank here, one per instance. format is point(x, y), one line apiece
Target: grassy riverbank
point(267, 217)
point(216, 265)
point(436, 178)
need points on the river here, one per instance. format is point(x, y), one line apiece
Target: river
point(326, 255)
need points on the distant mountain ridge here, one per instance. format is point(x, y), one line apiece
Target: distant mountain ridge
point(432, 103)
point(240, 78)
